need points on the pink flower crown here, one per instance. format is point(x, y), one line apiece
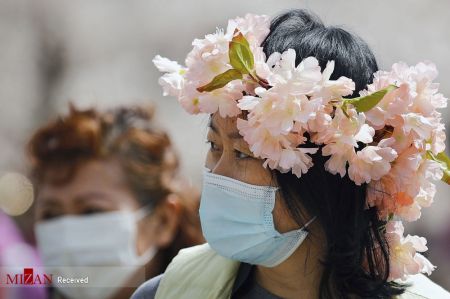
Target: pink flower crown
point(396, 118)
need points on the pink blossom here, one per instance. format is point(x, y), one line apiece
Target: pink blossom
point(208, 58)
point(296, 160)
point(390, 108)
point(398, 140)
point(371, 163)
point(340, 154)
point(254, 27)
point(404, 258)
point(438, 138)
point(279, 151)
point(261, 142)
point(172, 81)
point(262, 68)
point(416, 93)
point(189, 98)
point(425, 196)
point(321, 122)
point(425, 265)
point(342, 137)
point(349, 129)
point(407, 187)
point(284, 112)
point(285, 77)
point(421, 125)
point(427, 99)
point(223, 100)
point(333, 89)
point(415, 180)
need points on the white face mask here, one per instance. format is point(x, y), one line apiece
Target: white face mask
point(237, 222)
point(101, 247)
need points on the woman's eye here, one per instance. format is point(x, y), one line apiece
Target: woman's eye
point(213, 147)
point(92, 210)
point(241, 155)
point(47, 215)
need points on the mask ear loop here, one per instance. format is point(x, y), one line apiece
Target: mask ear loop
point(309, 222)
point(147, 256)
point(150, 252)
point(143, 212)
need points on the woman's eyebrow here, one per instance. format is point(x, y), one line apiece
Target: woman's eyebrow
point(89, 196)
point(212, 126)
point(232, 135)
point(50, 201)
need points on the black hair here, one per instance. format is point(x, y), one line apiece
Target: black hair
point(357, 254)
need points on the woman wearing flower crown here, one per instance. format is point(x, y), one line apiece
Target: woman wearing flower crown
point(316, 159)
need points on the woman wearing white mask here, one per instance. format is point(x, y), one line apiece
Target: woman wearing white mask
point(304, 190)
point(111, 208)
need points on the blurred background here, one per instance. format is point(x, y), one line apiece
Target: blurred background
point(98, 53)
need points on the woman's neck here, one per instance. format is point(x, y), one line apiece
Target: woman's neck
point(153, 268)
point(297, 277)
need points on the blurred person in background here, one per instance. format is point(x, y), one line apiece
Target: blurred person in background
point(109, 193)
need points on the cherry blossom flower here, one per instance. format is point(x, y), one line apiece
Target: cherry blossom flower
point(208, 58)
point(278, 113)
point(223, 100)
point(407, 188)
point(254, 27)
point(261, 142)
point(300, 80)
point(173, 81)
point(371, 163)
point(416, 93)
point(333, 89)
point(404, 256)
point(296, 160)
point(342, 137)
point(189, 99)
point(389, 110)
point(438, 138)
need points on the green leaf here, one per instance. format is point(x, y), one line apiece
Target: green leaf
point(444, 160)
point(241, 57)
point(364, 104)
point(221, 80)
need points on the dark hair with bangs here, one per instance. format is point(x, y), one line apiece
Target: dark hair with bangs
point(357, 255)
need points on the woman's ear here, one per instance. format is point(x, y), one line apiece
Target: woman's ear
point(167, 220)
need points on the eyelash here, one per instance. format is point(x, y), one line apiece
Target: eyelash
point(212, 145)
point(241, 153)
point(212, 148)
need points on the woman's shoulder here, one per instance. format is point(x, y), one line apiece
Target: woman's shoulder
point(148, 289)
point(186, 258)
point(423, 287)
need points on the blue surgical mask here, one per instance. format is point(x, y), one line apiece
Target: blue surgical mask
point(237, 222)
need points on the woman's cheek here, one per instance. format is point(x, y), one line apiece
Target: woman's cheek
point(209, 161)
point(282, 219)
